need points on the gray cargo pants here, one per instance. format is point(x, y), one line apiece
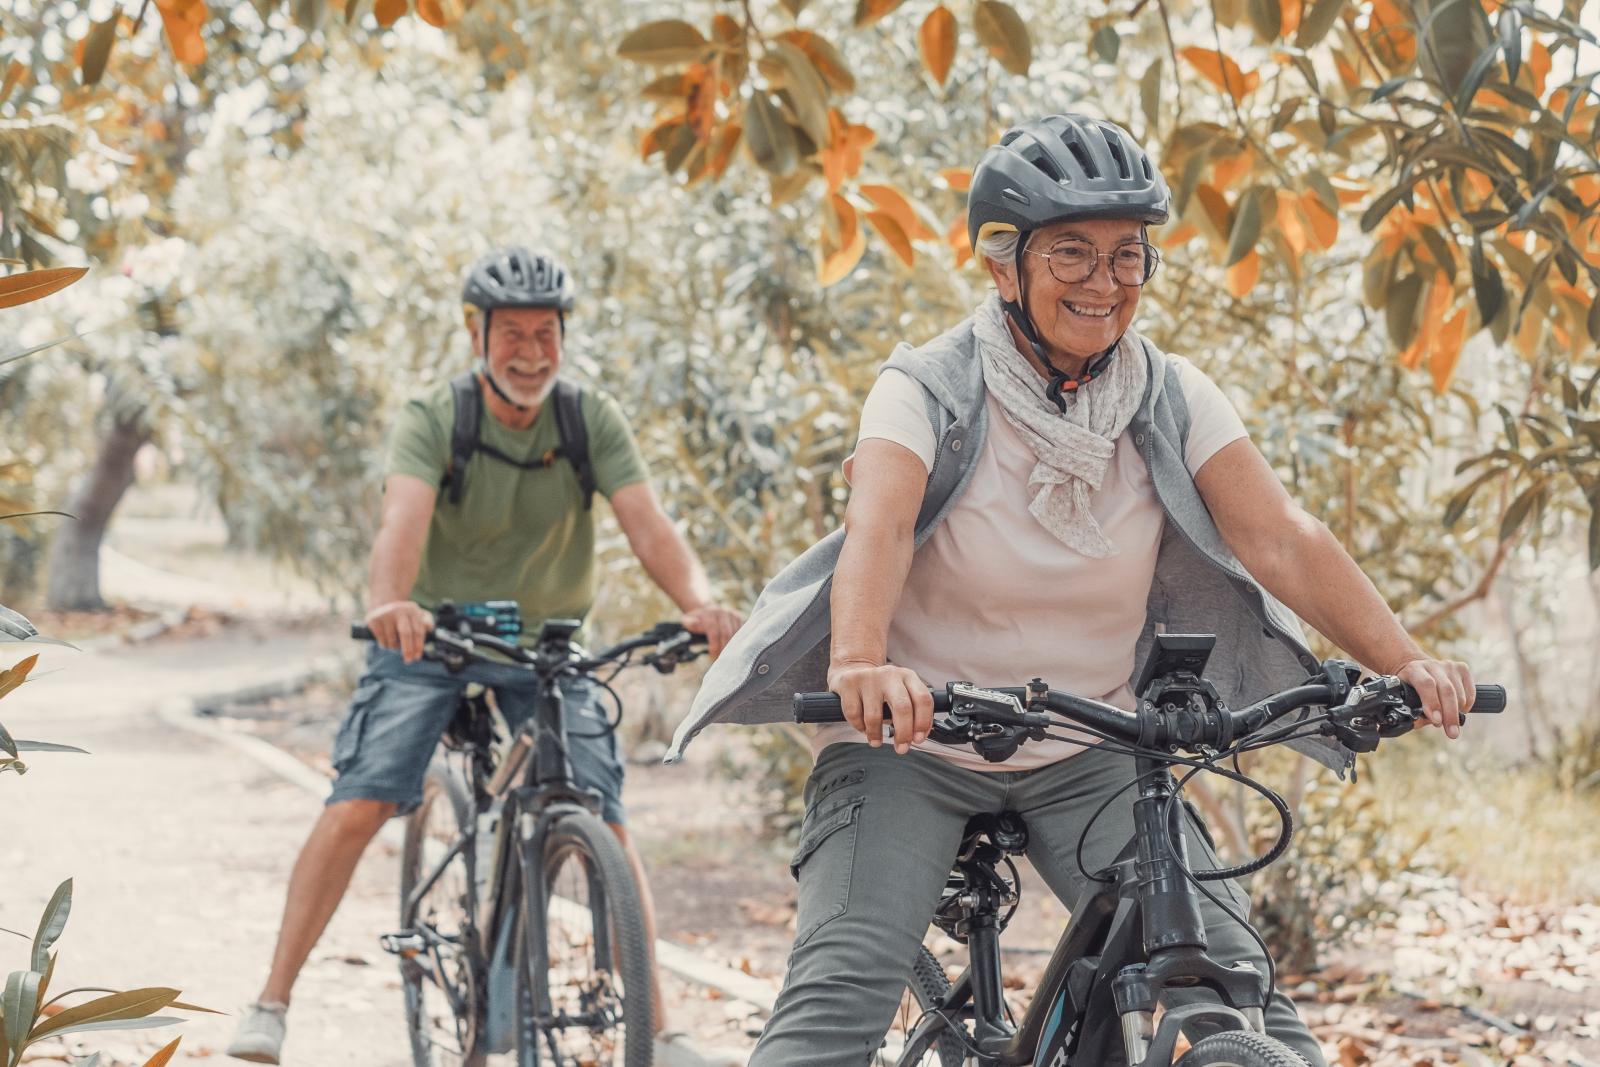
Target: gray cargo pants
point(880, 835)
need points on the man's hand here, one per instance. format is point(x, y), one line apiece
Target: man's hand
point(401, 624)
point(716, 622)
point(864, 690)
point(1446, 689)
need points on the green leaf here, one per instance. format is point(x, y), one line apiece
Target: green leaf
point(794, 7)
point(1458, 503)
point(1510, 423)
point(870, 11)
point(49, 746)
point(1511, 40)
point(806, 89)
point(1469, 84)
point(1106, 43)
point(1266, 17)
point(97, 49)
point(1191, 179)
point(20, 1002)
point(771, 139)
point(1001, 30)
point(1150, 96)
point(1391, 86)
point(118, 1007)
point(1487, 286)
point(1326, 194)
point(1400, 312)
point(1388, 199)
point(1439, 248)
point(23, 353)
point(1318, 21)
point(1520, 508)
point(1246, 225)
point(663, 42)
point(150, 1022)
point(1594, 538)
point(1594, 319)
point(51, 923)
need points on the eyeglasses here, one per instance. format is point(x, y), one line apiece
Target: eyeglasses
point(1074, 261)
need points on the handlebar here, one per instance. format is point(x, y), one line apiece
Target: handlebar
point(673, 645)
point(996, 720)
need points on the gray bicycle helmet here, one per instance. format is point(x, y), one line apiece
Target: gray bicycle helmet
point(1057, 169)
point(1063, 167)
point(514, 277)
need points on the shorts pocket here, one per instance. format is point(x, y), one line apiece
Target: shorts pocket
point(824, 873)
point(347, 742)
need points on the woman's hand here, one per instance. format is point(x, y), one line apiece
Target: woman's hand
point(866, 688)
point(1446, 689)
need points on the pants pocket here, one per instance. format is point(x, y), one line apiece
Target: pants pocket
point(823, 863)
point(347, 742)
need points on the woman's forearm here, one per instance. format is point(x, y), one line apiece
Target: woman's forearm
point(872, 569)
point(1317, 580)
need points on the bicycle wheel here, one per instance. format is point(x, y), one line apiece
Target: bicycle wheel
point(1241, 1048)
point(442, 972)
point(588, 965)
point(935, 1043)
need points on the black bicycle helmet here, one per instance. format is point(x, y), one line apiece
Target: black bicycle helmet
point(1057, 169)
point(1063, 167)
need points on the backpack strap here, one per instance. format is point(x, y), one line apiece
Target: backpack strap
point(575, 436)
point(468, 397)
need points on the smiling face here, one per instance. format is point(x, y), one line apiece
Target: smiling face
point(1076, 321)
point(524, 352)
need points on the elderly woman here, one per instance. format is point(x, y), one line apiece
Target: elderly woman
point(1034, 493)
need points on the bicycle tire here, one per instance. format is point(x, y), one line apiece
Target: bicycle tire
point(1241, 1048)
point(936, 1046)
point(444, 805)
point(610, 941)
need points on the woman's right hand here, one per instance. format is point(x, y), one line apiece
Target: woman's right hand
point(401, 624)
point(866, 689)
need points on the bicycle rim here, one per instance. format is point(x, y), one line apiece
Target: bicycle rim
point(595, 1008)
point(443, 979)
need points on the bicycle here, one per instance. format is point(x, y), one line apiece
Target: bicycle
point(1137, 931)
point(521, 925)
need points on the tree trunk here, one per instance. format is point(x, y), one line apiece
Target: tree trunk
point(75, 553)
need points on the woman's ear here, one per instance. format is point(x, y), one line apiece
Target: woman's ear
point(1005, 278)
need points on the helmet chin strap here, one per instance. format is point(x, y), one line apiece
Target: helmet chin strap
point(483, 369)
point(1061, 383)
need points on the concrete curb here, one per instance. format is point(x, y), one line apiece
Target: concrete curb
point(196, 715)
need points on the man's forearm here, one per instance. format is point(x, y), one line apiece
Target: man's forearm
point(394, 568)
point(1319, 581)
point(672, 565)
point(866, 588)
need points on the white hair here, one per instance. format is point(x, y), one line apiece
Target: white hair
point(1000, 246)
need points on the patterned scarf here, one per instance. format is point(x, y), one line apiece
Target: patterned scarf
point(1072, 449)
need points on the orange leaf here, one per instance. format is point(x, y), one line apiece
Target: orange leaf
point(431, 12)
point(701, 99)
point(937, 39)
point(388, 12)
point(1348, 190)
point(1228, 170)
point(1324, 223)
point(891, 232)
point(1347, 73)
point(1292, 228)
point(1447, 350)
point(1390, 35)
point(722, 154)
point(1222, 71)
point(1538, 66)
point(891, 200)
point(841, 158)
point(182, 20)
point(958, 239)
point(835, 265)
point(1291, 13)
point(956, 178)
point(725, 30)
point(657, 137)
point(1180, 234)
point(164, 1056)
point(1217, 211)
point(1243, 275)
point(845, 223)
point(1439, 296)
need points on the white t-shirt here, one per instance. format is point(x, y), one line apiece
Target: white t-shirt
point(994, 598)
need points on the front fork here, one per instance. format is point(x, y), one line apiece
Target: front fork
point(1174, 935)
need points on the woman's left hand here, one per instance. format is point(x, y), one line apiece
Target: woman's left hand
point(1446, 689)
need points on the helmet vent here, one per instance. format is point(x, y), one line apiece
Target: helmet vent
point(1084, 162)
point(1115, 146)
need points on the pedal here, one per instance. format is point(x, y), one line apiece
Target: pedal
point(407, 944)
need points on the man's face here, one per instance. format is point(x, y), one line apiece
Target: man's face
point(524, 351)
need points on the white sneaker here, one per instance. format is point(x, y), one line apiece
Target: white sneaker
point(259, 1038)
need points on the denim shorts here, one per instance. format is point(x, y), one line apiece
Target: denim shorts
point(400, 710)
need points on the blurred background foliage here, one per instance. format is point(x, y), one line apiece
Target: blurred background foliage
point(1385, 250)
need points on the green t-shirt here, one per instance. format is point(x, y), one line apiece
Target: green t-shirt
point(517, 534)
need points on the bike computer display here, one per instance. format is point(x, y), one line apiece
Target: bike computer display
point(1175, 654)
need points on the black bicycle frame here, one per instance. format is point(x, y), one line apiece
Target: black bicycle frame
point(1132, 936)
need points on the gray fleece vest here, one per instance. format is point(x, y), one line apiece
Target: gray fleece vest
point(1199, 586)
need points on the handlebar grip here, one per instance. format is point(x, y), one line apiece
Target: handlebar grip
point(359, 631)
point(818, 708)
point(1490, 699)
